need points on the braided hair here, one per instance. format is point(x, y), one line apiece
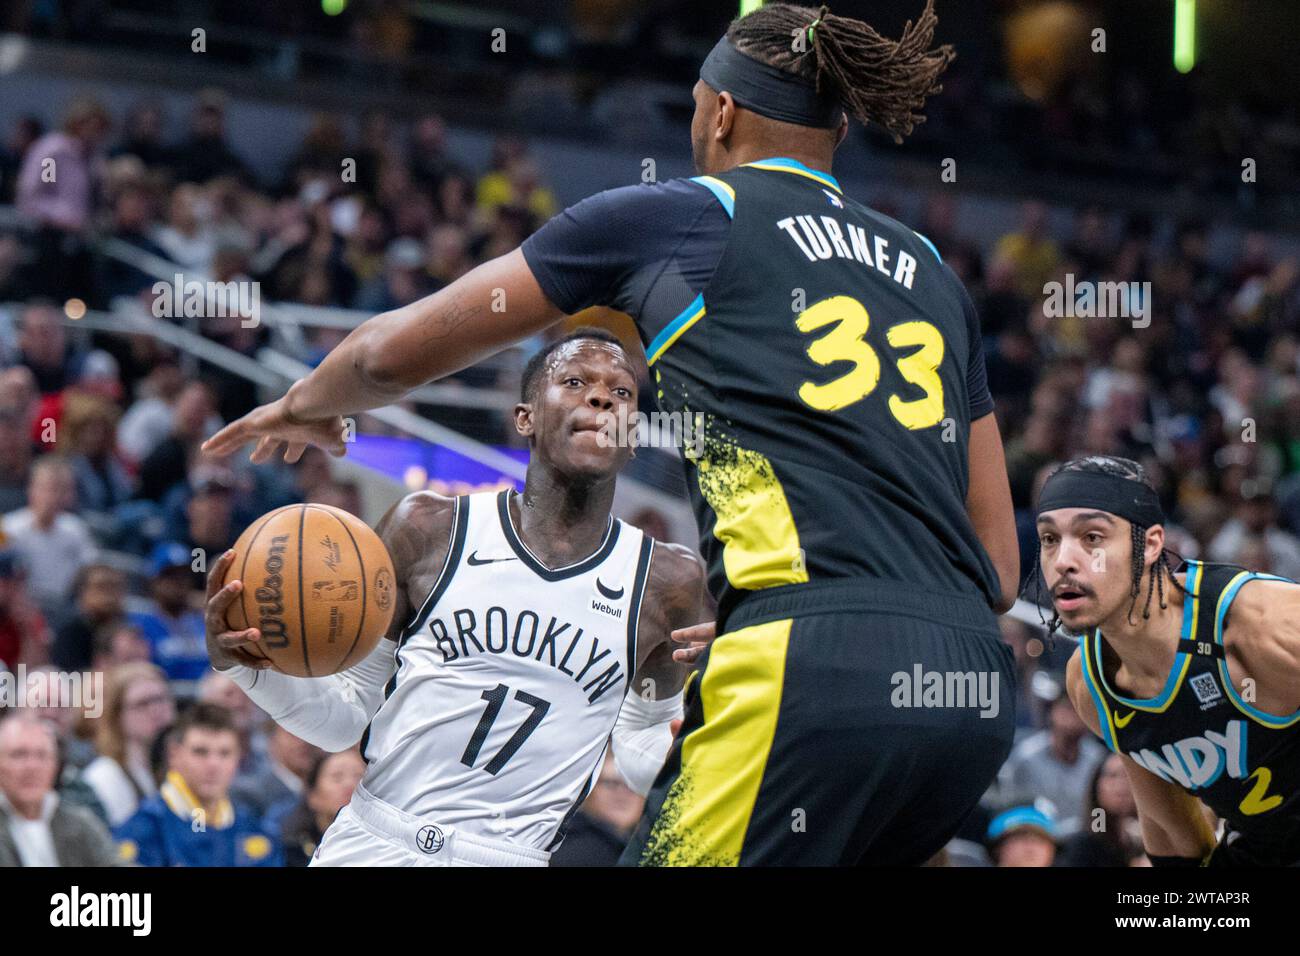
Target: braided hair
point(1161, 568)
point(879, 80)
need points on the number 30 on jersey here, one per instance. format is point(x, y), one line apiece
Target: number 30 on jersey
point(846, 342)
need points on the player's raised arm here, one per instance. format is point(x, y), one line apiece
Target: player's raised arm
point(484, 311)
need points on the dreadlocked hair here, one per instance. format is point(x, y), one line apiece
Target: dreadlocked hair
point(879, 80)
point(1161, 568)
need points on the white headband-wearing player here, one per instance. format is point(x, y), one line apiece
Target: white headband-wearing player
point(530, 629)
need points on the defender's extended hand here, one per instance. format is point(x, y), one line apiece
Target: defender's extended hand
point(697, 637)
point(273, 426)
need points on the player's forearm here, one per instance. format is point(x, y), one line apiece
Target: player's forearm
point(330, 712)
point(493, 306)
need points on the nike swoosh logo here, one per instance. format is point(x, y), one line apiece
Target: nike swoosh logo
point(474, 560)
point(608, 592)
point(1122, 722)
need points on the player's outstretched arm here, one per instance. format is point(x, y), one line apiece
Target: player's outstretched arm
point(1175, 826)
point(489, 308)
point(333, 712)
point(674, 599)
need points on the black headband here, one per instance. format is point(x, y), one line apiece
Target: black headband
point(1126, 498)
point(767, 91)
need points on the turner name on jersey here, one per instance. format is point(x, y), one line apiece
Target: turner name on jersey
point(509, 680)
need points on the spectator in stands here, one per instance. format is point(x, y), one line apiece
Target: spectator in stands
point(56, 192)
point(1023, 836)
point(16, 461)
point(23, 634)
point(600, 829)
point(428, 159)
point(186, 237)
point(192, 821)
point(402, 282)
point(169, 463)
point(150, 418)
point(168, 619)
point(57, 181)
point(138, 706)
point(37, 828)
point(54, 544)
point(1056, 763)
point(327, 788)
point(219, 689)
point(132, 223)
point(89, 428)
point(1256, 517)
point(208, 512)
point(205, 154)
point(516, 181)
point(280, 779)
point(1110, 833)
point(142, 135)
point(1031, 252)
point(44, 349)
point(448, 255)
point(117, 643)
point(100, 593)
point(50, 697)
point(25, 131)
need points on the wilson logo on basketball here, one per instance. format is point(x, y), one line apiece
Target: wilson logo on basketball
point(270, 599)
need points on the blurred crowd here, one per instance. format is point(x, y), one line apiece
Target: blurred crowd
point(110, 514)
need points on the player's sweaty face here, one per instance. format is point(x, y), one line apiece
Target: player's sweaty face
point(1086, 559)
point(584, 414)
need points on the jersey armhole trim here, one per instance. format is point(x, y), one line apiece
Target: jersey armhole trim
point(1103, 712)
point(634, 607)
point(1228, 595)
point(460, 521)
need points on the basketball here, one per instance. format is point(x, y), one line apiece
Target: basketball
point(318, 584)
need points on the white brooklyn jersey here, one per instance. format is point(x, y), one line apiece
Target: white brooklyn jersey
point(509, 680)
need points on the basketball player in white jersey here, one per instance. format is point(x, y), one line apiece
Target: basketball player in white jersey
point(529, 630)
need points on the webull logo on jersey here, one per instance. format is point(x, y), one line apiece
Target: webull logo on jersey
point(558, 644)
point(1196, 762)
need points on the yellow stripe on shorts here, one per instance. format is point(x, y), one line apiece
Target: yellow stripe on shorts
point(707, 810)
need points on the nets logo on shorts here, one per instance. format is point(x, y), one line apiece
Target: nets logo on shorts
point(430, 839)
point(1206, 689)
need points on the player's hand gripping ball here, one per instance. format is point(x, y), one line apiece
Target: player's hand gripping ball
point(316, 584)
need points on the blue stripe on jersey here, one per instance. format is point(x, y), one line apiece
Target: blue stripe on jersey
point(675, 329)
point(930, 244)
point(726, 195)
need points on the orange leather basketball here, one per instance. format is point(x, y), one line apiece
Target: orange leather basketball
point(318, 584)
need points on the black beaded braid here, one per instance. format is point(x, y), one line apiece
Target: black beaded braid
point(878, 80)
point(1160, 568)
